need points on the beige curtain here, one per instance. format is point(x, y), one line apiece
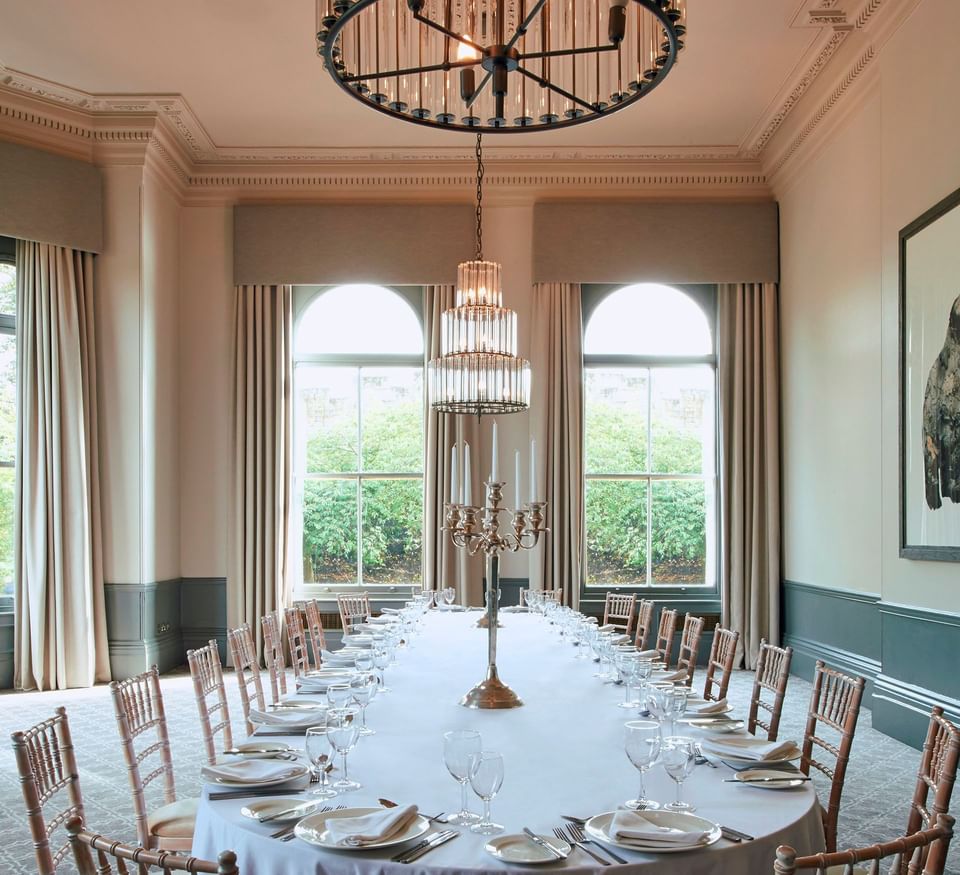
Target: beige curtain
point(446, 565)
point(262, 454)
point(61, 627)
point(556, 423)
point(749, 385)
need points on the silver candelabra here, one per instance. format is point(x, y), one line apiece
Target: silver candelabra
point(477, 530)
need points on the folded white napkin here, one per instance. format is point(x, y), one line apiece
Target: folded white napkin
point(619, 639)
point(371, 828)
point(251, 771)
point(337, 657)
point(608, 628)
point(670, 676)
point(748, 748)
point(718, 707)
point(290, 717)
point(633, 827)
point(391, 610)
point(382, 620)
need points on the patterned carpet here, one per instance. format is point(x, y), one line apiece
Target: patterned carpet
point(879, 783)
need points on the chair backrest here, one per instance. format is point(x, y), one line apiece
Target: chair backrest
point(47, 765)
point(644, 623)
point(318, 641)
point(938, 771)
point(243, 654)
point(297, 641)
point(772, 674)
point(207, 674)
point(923, 853)
point(553, 595)
point(835, 704)
point(690, 646)
point(665, 632)
point(138, 707)
point(618, 610)
point(354, 609)
point(723, 652)
point(87, 844)
point(273, 655)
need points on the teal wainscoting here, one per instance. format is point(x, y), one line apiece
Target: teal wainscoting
point(143, 626)
point(6, 650)
point(203, 612)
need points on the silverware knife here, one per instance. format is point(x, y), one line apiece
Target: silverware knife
point(232, 751)
point(786, 777)
point(442, 840)
point(543, 843)
point(422, 845)
point(251, 794)
point(736, 834)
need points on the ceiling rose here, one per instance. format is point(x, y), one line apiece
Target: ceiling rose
point(501, 66)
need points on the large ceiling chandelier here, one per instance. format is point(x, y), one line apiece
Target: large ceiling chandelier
point(478, 369)
point(500, 66)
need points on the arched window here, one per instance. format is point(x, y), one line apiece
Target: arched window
point(358, 433)
point(650, 436)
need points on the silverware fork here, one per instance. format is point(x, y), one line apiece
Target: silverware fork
point(581, 836)
point(560, 834)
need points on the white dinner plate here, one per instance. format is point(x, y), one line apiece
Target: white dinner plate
point(746, 761)
point(715, 725)
point(783, 780)
point(520, 848)
point(313, 829)
point(270, 807)
point(260, 750)
point(599, 828)
point(297, 770)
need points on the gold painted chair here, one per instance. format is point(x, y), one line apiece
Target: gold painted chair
point(207, 674)
point(772, 674)
point(138, 707)
point(297, 642)
point(618, 611)
point(723, 652)
point(243, 655)
point(274, 656)
point(354, 610)
point(314, 626)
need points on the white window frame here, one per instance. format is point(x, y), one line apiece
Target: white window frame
point(8, 326)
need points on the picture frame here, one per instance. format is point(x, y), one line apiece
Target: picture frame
point(929, 383)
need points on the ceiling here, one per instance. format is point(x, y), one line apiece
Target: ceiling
point(250, 72)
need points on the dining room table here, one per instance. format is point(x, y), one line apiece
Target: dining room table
point(563, 755)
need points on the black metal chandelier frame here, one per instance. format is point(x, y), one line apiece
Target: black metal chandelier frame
point(497, 61)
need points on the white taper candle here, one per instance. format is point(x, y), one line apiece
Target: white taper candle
point(533, 470)
point(454, 482)
point(467, 490)
point(495, 461)
point(516, 483)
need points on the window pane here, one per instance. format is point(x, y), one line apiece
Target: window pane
point(392, 406)
point(616, 512)
point(8, 397)
point(7, 481)
point(683, 420)
point(615, 420)
point(330, 531)
point(8, 289)
point(327, 403)
point(678, 521)
point(392, 530)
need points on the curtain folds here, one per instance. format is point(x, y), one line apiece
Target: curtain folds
point(262, 454)
point(445, 565)
point(556, 423)
point(749, 387)
point(60, 620)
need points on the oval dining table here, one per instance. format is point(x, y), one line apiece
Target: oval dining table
point(563, 755)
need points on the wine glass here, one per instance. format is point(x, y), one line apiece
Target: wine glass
point(677, 704)
point(339, 694)
point(458, 746)
point(657, 702)
point(628, 665)
point(381, 659)
point(364, 661)
point(642, 745)
point(343, 730)
point(486, 778)
point(318, 750)
point(678, 755)
point(364, 689)
point(449, 594)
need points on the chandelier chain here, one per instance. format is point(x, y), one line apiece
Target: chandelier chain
point(479, 153)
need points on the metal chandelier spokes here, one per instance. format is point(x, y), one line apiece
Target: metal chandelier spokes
point(501, 66)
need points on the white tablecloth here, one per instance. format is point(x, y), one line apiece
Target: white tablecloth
point(563, 754)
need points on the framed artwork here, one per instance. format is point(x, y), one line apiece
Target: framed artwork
point(930, 384)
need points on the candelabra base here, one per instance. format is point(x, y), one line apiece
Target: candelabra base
point(491, 693)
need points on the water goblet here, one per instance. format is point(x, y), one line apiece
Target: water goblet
point(678, 755)
point(677, 703)
point(449, 594)
point(339, 695)
point(381, 659)
point(343, 730)
point(459, 745)
point(364, 661)
point(628, 666)
point(318, 750)
point(657, 702)
point(486, 779)
point(642, 745)
point(364, 689)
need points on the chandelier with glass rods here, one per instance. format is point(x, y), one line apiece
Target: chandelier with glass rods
point(478, 369)
point(500, 66)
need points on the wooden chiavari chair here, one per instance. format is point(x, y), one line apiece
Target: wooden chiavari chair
point(47, 765)
point(86, 844)
point(273, 655)
point(618, 610)
point(772, 674)
point(318, 641)
point(297, 642)
point(207, 674)
point(923, 853)
point(690, 646)
point(138, 706)
point(835, 703)
point(937, 774)
point(665, 633)
point(354, 610)
point(243, 654)
point(723, 652)
point(644, 623)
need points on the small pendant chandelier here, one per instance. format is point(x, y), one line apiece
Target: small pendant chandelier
point(478, 370)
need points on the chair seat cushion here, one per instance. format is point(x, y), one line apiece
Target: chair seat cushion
point(174, 820)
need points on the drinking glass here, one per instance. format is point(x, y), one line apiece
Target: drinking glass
point(318, 750)
point(657, 702)
point(364, 661)
point(628, 665)
point(458, 746)
point(381, 659)
point(642, 745)
point(449, 594)
point(486, 778)
point(343, 730)
point(678, 755)
point(364, 689)
point(677, 703)
point(339, 695)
